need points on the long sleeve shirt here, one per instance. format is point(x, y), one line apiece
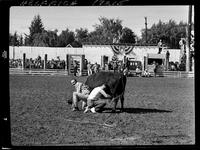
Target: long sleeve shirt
point(95, 95)
point(82, 88)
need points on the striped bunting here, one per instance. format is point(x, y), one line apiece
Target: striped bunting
point(120, 49)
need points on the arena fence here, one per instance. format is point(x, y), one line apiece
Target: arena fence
point(178, 74)
point(19, 71)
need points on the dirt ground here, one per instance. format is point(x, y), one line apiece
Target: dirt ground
point(158, 111)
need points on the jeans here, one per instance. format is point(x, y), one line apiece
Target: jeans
point(98, 104)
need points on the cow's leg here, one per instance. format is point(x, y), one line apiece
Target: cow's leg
point(122, 103)
point(115, 105)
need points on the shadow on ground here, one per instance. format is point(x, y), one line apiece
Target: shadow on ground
point(136, 110)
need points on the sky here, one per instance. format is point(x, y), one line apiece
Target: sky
point(62, 17)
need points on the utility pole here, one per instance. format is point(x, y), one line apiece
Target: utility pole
point(188, 38)
point(145, 29)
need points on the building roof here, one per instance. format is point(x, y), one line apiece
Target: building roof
point(156, 56)
point(125, 44)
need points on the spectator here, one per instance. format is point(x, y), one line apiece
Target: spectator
point(109, 66)
point(96, 68)
point(115, 66)
point(89, 69)
point(138, 71)
point(159, 46)
point(147, 73)
point(106, 67)
point(155, 68)
point(125, 71)
point(75, 68)
point(17, 63)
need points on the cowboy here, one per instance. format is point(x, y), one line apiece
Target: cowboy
point(82, 92)
point(95, 102)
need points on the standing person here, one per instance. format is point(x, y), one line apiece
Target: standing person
point(81, 93)
point(155, 69)
point(96, 68)
point(106, 67)
point(109, 65)
point(95, 102)
point(147, 73)
point(115, 66)
point(75, 68)
point(138, 71)
point(159, 46)
point(125, 71)
point(89, 69)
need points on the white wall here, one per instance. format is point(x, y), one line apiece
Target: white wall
point(92, 53)
point(34, 52)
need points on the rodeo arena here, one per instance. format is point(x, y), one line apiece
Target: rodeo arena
point(112, 94)
point(154, 96)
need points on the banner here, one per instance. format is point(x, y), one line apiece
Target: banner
point(121, 49)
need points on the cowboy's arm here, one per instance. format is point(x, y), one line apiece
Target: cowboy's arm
point(105, 94)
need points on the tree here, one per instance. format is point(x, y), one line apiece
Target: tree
point(81, 35)
point(14, 39)
point(52, 38)
point(106, 31)
point(21, 43)
point(169, 32)
point(35, 28)
point(96, 37)
point(76, 44)
point(127, 36)
point(41, 39)
point(36, 25)
point(66, 37)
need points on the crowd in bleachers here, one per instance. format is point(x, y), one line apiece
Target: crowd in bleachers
point(37, 63)
point(176, 66)
point(117, 66)
point(15, 63)
point(55, 64)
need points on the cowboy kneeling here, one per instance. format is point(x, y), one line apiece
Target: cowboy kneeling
point(95, 102)
point(82, 92)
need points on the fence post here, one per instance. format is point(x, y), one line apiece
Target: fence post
point(23, 61)
point(67, 64)
point(82, 64)
point(45, 61)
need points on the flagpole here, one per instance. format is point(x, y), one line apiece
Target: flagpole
point(188, 39)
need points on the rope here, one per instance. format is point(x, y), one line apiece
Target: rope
point(87, 122)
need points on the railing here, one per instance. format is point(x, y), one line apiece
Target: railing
point(170, 74)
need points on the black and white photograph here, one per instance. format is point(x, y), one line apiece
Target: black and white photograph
point(102, 75)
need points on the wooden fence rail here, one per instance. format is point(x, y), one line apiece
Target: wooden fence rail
point(172, 74)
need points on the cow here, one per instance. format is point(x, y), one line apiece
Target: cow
point(116, 83)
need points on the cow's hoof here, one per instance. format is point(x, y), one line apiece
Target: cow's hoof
point(113, 111)
point(121, 111)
